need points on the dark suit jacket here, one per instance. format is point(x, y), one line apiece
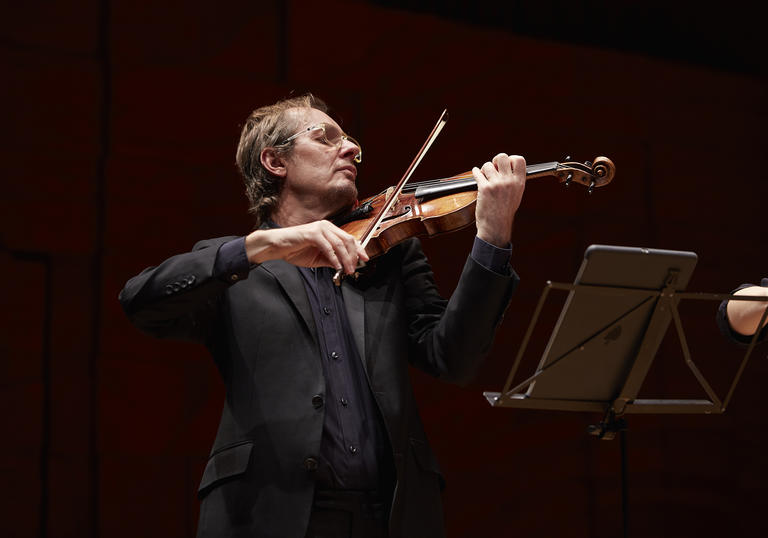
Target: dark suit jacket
point(261, 333)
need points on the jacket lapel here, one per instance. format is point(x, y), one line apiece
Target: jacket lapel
point(354, 302)
point(289, 279)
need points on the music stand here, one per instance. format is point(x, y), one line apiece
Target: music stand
point(612, 323)
point(614, 319)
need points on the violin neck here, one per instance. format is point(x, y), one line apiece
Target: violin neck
point(466, 182)
point(541, 169)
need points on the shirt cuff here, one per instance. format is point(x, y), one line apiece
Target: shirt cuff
point(231, 263)
point(491, 257)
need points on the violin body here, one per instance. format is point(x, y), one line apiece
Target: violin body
point(447, 205)
point(410, 217)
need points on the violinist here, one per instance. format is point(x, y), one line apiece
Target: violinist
point(319, 434)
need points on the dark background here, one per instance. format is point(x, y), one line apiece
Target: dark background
point(120, 121)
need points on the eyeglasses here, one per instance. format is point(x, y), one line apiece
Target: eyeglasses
point(330, 136)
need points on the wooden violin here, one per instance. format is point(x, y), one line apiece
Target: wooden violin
point(429, 208)
point(443, 205)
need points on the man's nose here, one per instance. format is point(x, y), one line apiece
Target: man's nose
point(350, 149)
point(348, 146)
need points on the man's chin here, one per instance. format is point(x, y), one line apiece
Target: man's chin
point(344, 199)
point(345, 202)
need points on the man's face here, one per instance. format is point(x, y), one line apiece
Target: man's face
point(319, 175)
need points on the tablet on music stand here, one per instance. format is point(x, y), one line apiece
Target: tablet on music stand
point(608, 332)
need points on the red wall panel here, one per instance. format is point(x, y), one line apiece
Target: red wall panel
point(120, 132)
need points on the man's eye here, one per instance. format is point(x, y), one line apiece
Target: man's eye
point(332, 136)
point(322, 137)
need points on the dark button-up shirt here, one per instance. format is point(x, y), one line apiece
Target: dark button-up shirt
point(354, 440)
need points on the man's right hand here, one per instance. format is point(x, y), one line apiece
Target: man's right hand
point(317, 244)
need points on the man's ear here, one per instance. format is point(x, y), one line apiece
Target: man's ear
point(273, 162)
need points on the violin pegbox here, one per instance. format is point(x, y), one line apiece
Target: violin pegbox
point(590, 174)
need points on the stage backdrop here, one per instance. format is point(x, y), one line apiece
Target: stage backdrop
point(120, 122)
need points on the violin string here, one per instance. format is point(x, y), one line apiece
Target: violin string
point(413, 186)
point(410, 187)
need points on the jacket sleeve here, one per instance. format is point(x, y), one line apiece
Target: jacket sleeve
point(180, 297)
point(450, 338)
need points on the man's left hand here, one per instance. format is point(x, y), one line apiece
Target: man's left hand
point(500, 186)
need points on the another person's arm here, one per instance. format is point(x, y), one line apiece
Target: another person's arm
point(738, 320)
point(744, 316)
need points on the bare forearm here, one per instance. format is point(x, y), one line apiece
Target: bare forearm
point(744, 316)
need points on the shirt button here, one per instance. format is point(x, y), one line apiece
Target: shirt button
point(344, 402)
point(334, 355)
point(326, 310)
point(310, 464)
point(317, 401)
point(352, 449)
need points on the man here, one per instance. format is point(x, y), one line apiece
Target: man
point(320, 435)
point(739, 320)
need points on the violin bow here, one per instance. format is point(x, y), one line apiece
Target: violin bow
point(395, 192)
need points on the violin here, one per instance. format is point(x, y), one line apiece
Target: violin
point(446, 205)
point(429, 208)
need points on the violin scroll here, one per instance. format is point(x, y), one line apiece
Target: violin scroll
point(590, 174)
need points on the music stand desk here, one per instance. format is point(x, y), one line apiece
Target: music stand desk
point(612, 323)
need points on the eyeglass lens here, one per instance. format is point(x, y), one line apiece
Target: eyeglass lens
point(335, 137)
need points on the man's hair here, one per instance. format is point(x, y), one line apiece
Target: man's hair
point(267, 127)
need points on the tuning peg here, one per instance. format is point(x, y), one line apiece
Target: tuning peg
point(588, 163)
point(591, 187)
point(568, 158)
point(568, 180)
